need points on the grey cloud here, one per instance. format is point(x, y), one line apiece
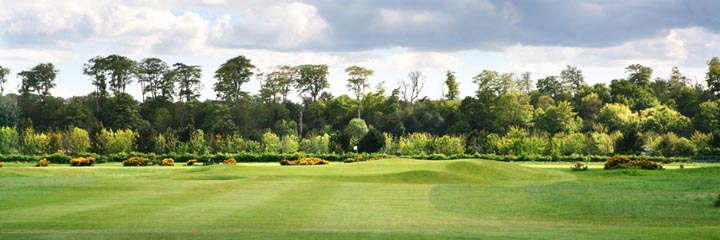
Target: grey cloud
point(491, 24)
point(358, 25)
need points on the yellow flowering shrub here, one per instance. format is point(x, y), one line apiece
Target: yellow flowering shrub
point(624, 162)
point(168, 162)
point(305, 161)
point(136, 161)
point(1, 164)
point(83, 161)
point(43, 163)
point(578, 166)
point(618, 162)
point(230, 161)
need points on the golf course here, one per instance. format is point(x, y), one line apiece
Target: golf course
point(384, 199)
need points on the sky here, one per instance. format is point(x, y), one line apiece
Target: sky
point(391, 37)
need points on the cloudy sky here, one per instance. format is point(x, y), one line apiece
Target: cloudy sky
point(390, 37)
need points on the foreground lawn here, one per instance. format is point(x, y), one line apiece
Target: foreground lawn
point(387, 199)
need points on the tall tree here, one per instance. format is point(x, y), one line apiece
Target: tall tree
point(40, 79)
point(639, 74)
point(121, 70)
point(312, 80)
point(166, 87)
point(231, 76)
point(512, 109)
point(95, 68)
point(188, 79)
point(713, 75)
point(572, 77)
point(554, 88)
point(410, 88)
point(494, 83)
point(150, 73)
point(4, 72)
point(453, 91)
point(524, 83)
point(357, 82)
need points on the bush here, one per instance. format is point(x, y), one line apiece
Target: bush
point(647, 165)
point(2, 164)
point(191, 162)
point(619, 162)
point(230, 161)
point(448, 145)
point(83, 161)
point(76, 140)
point(168, 162)
point(9, 140)
point(42, 163)
point(136, 161)
point(578, 166)
point(58, 158)
point(415, 144)
point(358, 158)
point(305, 161)
point(118, 141)
point(373, 141)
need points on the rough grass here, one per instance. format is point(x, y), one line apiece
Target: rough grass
point(387, 199)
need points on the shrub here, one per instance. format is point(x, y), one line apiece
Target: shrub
point(356, 128)
point(271, 142)
point(448, 145)
point(83, 161)
point(191, 162)
point(415, 143)
point(373, 141)
point(230, 161)
point(32, 143)
point(136, 161)
point(618, 162)
point(358, 158)
point(578, 166)
point(289, 144)
point(43, 163)
point(58, 158)
point(9, 140)
point(304, 161)
point(119, 141)
point(2, 164)
point(168, 162)
point(647, 165)
point(197, 143)
point(76, 140)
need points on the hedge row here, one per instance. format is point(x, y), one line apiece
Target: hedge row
point(157, 158)
point(277, 157)
point(543, 158)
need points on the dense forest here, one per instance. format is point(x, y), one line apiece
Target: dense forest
point(508, 114)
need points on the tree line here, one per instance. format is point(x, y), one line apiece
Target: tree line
point(507, 114)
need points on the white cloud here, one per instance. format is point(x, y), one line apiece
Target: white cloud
point(687, 48)
point(283, 26)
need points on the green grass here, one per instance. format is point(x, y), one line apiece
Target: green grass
point(386, 199)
